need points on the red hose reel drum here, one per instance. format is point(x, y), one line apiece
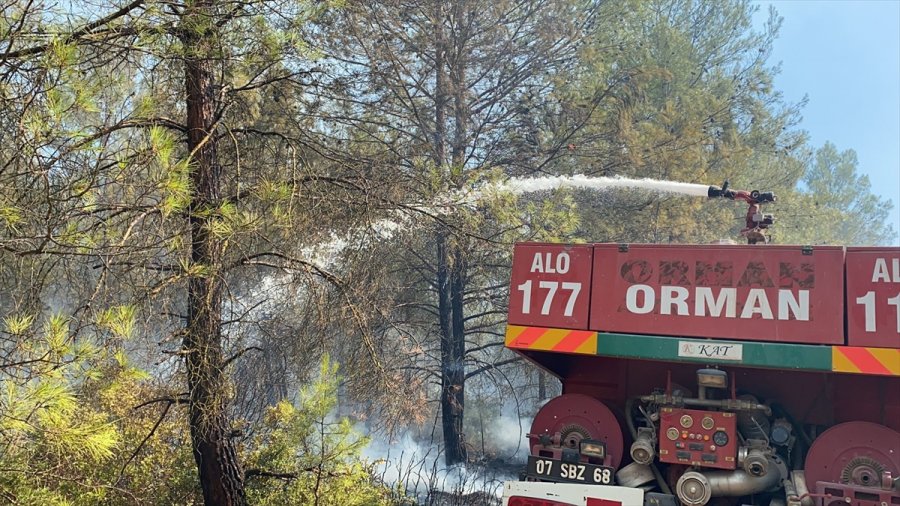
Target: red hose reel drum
point(577, 417)
point(854, 453)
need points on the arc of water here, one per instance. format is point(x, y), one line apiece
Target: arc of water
point(387, 227)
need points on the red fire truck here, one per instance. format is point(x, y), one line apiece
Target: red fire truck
point(738, 375)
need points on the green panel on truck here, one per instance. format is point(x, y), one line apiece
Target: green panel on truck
point(754, 354)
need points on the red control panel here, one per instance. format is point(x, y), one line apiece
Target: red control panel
point(700, 438)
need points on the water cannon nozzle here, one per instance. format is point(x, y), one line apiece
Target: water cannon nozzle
point(762, 197)
point(715, 191)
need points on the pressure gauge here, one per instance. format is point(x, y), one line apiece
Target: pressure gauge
point(720, 438)
point(672, 433)
point(707, 422)
point(687, 421)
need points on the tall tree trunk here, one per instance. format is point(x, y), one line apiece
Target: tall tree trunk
point(450, 306)
point(453, 373)
point(452, 266)
point(221, 476)
point(440, 89)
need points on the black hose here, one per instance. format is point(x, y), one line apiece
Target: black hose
point(629, 419)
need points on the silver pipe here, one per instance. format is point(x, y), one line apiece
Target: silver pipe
point(739, 482)
point(696, 489)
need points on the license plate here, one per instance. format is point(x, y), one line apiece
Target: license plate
point(572, 472)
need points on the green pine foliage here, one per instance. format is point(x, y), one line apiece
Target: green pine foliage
point(832, 204)
point(306, 454)
point(47, 434)
point(70, 433)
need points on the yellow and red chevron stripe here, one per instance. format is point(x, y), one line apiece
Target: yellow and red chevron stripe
point(544, 339)
point(883, 361)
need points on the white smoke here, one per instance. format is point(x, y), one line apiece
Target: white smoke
point(419, 469)
point(417, 466)
point(508, 433)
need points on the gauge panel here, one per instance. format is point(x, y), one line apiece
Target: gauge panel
point(695, 437)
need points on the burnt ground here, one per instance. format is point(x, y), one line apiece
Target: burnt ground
point(484, 486)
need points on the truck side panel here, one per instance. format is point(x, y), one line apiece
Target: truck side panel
point(550, 286)
point(771, 293)
point(873, 297)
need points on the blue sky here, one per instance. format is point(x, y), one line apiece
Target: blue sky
point(845, 56)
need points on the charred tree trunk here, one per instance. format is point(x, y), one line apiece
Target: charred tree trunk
point(451, 257)
point(450, 84)
point(453, 374)
point(221, 477)
point(449, 281)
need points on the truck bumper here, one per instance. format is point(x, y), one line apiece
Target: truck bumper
point(573, 493)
